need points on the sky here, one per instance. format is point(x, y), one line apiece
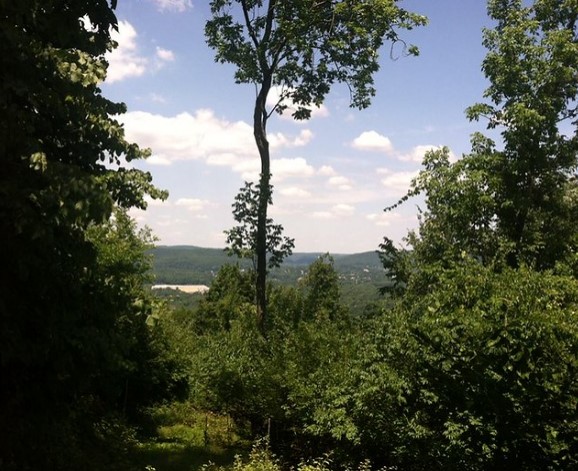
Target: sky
point(333, 174)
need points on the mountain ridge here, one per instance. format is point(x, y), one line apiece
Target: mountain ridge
point(191, 264)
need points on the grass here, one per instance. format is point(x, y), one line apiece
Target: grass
point(174, 456)
point(186, 439)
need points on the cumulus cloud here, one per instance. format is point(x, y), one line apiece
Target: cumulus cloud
point(159, 159)
point(286, 168)
point(340, 182)
point(322, 215)
point(203, 136)
point(125, 61)
point(277, 140)
point(326, 171)
point(281, 169)
point(194, 205)
point(335, 212)
point(294, 192)
point(343, 209)
point(157, 98)
point(275, 96)
point(190, 136)
point(372, 141)
point(383, 219)
point(304, 138)
point(396, 182)
point(418, 153)
point(165, 54)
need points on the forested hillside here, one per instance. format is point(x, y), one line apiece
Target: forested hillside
point(466, 359)
point(197, 265)
point(361, 276)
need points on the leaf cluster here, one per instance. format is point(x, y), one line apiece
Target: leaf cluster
point(242, 239)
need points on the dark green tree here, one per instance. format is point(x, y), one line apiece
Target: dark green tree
point(304, 47)
point(58, 308)
point(531, 66)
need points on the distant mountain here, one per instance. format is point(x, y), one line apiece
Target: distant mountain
point(185, 264)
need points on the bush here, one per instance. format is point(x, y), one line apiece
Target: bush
point(481, 373)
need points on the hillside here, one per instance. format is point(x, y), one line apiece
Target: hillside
point(197, 265)
point(361, 274)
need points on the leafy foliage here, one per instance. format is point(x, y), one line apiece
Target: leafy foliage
point(514, 206)
point(479, 374)
point(475, 367)
point(242, 239)
point(307, 46)
point(234, 370)
point(73, 328)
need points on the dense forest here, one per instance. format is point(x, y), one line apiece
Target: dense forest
point(465, 355)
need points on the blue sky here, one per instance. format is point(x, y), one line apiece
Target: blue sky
point(333, 174)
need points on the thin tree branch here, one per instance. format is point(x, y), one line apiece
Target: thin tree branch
point(249, 25)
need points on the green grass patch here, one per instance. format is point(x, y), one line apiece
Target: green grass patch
point(175, 456)
point(186, 439)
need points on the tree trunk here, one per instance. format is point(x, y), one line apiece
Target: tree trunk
point(260, 133)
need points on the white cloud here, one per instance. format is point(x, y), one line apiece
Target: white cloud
point(294, 192)
point(384, 219)
point(337, 211)
point(124, 61)
point(326, 171)
point(277, 140)
point(281, 169)
point(343, 209)
point(165, 54)
point(275, 96)
point(192, 204)
point(340, 182)
point(286, 168)
point(418, 153)
point(191, 137)
point(219, 142)
point(173, 5)
point(157, 98)
point(322, 215)
point(304, 138)
point(372, 141)
point(158, 159)
point(396, 182)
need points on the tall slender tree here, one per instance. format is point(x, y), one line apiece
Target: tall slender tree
point(303, 47)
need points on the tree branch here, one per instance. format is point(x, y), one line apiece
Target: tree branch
point(250, 28)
